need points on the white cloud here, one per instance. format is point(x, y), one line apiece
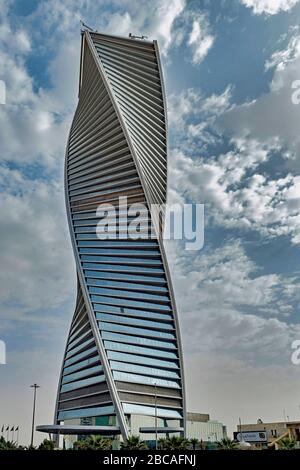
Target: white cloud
point(269, 7)
point(273, 115)
point(37, 269)
point(236, 194)
point(192, 117)
point(281, 58)
point(200, 39)
point(237, 310)
point(154, 19)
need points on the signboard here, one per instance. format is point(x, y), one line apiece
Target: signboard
point(251, 436)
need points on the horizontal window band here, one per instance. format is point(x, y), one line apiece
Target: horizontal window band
point(120, 260)
point(150, 400)
point(121, 189)
point(150, 390)
point(84, 391)
point(99, 161)
point(81, 365)
point(118, 232)
point(129, 312)
point(114, 345)
point(106, 197)
point(128, 294)
point(145, 371)
point(154, 95)
point(137, 341)
point(109, 61)
point(75, 350)
point(105, 122)
point(78, 403)
point(129, 303)
point(83, 373)
point(135, 331)
point(82, 355)
point(109, 277)
point(120, 252)
point(108, 176)
point(116, 182)
point(131, 286)
point(129, 244)
point(123, 268)
point(141, 379)
point(124, 159)
point(145, 72)
point(98, 155)
point(104, 142)
point(152, 86)
point(82, 383)
point(135, 359)
point(79, 339)
point(141, 46)
point(151, 411)
point(134, 321)
point(79, 327)
point(99, 134)
point(125, 79)
point(148, 60)
point(113, 219)
point(86, 412)
point(108, 168)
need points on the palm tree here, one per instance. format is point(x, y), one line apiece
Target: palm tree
point(46, 445)
point(93, 443)
point(227, 444)
point(7, 445)
point(287, 443)
point(134, 443)
point(176, 443)
point(161, 443)
point(194, 442)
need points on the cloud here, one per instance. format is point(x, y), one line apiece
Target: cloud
point(237, 310)
point(269, 7)
point(200, 39)
point(236, 193)
point(155, 19)
point(192, 118)
point(273, 115)
point(37, 269)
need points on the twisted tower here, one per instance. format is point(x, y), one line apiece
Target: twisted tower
point(123, 353)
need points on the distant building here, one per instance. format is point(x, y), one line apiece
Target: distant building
point(265, 435)
point(201, 427)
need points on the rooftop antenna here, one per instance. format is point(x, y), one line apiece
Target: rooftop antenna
point(87, 27)
point(137, 37)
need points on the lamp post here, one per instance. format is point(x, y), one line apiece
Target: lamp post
point(155, 398)
point(35, 387)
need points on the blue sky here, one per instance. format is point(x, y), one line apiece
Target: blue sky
point(234, 146)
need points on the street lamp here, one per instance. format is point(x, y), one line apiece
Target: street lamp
point(155, 416)
point(35, 387)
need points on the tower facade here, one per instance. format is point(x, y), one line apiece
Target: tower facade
point(123, 354)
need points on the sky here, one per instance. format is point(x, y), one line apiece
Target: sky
point(234, 143)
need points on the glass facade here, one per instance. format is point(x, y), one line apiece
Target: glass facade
point(123, 350)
